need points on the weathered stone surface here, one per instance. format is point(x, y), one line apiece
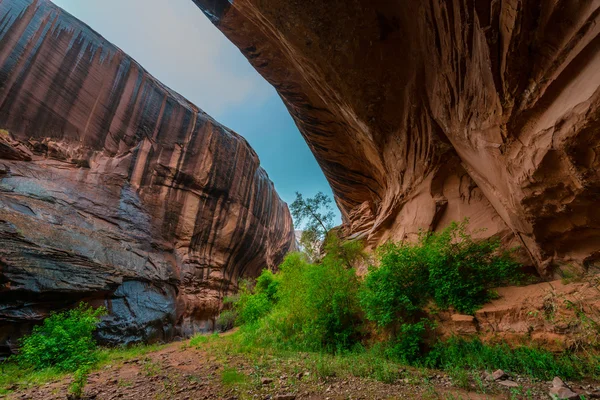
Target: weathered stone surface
point(547, 314)
point(498, 374)
point(463, 324)
point(562, 393)
point(423, 112)
point(116, 190)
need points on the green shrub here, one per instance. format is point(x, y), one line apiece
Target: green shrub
point(226, 320)
point(398, 289)
point(449, 267)
point(63, 341)
point(346, 253)
point(267, 284)
point(319, 304)
point(252, 304)
point(407, 345)
point(80, 378)
point(462, 270)
point(314, 307)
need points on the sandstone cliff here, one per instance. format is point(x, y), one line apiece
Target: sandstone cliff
point(116, 190)
point(423, 112)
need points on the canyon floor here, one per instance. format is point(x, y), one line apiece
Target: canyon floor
point(213, 368)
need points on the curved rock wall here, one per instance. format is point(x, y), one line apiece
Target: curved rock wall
point(421, 112)
point(116, 190)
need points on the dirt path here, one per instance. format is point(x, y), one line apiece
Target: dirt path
point(181, 372)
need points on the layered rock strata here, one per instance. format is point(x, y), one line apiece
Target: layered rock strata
point(116, 190)
point(423, 112)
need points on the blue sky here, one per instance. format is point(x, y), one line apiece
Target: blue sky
point(176, 43)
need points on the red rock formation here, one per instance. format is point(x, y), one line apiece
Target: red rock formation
point(115, 189)
point(421, 112)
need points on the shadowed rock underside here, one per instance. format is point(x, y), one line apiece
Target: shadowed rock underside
point(424, 112)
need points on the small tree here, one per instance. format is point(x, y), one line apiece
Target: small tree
point(316, 214)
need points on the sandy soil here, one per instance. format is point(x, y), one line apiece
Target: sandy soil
point(179, 371)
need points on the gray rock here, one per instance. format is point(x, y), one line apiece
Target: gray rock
point(508, 383)
point(557, 382)
point(498, 374)
point(562, 393)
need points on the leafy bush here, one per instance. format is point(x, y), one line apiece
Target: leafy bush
point(462, 271)
point(226, 320)
point(321, 307)
point(407, 345)
point(254, 303)
point(449, 267)
point(267, 284)
point(398, 289)
point(314, 307)
point(63, 341)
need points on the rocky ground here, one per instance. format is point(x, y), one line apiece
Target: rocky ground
point(211, 371)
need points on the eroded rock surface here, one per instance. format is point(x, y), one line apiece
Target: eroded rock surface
point(423, 112)
point(116, 190)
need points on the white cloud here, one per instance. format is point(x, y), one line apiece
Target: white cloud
point(176, 43)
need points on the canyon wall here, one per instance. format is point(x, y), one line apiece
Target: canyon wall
point(117, 191)
point(423, 112)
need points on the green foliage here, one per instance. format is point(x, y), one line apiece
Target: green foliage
point(268, 284)
point(449, 267)
point(346, 253)
point(316, 216)
point(231, 377)
point(531, 361)
point(462, 271)
point(313, 307)
point(202, 339)
point(253, 304)
point(398, 289)
point(80, 379)
point(64, 341)
point(14, 376)
point(407, 345)
point(226, 320)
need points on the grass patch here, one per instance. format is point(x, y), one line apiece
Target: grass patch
point(15, 377)
point(232, 377)
point(460, 354)
point(111, 355)
point(200, 340)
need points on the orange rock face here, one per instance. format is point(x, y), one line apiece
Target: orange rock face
point(118, 191)
point(423, 112)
